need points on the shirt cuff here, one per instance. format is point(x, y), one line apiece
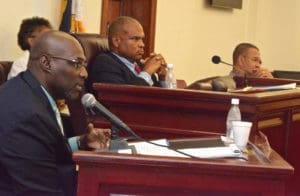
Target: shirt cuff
point(73, 143)
point(146, 77)
point(163, 84)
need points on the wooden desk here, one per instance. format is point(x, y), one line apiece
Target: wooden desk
point(183, 113)
point(107, 173)
point(276, 113)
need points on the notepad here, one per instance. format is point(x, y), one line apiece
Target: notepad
point(146, 148)
point(264, 88)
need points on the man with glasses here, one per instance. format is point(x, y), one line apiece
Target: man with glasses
point(247, 62)
point(35, 154)
point(30, 29)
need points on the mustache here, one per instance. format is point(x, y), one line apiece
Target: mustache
point(69, 94)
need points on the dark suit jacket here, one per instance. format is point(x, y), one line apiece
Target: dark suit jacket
point(107, 68)
point(35, 158)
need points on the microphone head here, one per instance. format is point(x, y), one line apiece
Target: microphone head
point(88, 100)
point(216, 59)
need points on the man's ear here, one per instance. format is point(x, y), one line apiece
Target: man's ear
point(240, 60)
point(116, 41)
point(45, 63)
point(30, 41)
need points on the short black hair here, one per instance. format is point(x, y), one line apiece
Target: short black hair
point(241, 49)
point(28, 26)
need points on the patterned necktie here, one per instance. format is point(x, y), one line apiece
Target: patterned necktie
point(137, 68)
point(58, 119)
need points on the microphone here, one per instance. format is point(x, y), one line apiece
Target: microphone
point(216, 60)
point(222, 83)
point(89, 101)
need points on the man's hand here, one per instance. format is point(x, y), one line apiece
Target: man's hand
point(162, 72)
point(155, 63)
point(262, 73)
point(255, 73)
point(95, 139)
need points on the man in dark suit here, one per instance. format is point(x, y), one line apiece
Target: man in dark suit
point(35, 155)
point(119, 65)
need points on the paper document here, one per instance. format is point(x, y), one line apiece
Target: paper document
point(210, 152)
point(264, 88)
point(146, 148)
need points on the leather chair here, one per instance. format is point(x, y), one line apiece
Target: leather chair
point(92, 44)
point(294, 75)
point(202, 84)
point(215, 83)
point(5, 67)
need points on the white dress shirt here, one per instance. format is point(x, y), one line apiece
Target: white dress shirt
point(19, 65)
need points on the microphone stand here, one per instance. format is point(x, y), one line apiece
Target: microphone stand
point(226, 63)
point(116, 143)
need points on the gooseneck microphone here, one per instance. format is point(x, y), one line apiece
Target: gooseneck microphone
point(216, 60)
point(89, 101)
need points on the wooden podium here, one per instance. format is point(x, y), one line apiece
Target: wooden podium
point(163, 113)
point(104, 174)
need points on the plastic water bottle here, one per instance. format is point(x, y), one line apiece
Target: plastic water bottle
point(234, 114)
point(171, 82)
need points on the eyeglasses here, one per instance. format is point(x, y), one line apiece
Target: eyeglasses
point(78, 63)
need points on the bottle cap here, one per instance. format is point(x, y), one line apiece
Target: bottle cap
point(169, 65)
point(235, 101)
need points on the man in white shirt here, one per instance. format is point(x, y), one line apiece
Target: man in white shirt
point(30, 29)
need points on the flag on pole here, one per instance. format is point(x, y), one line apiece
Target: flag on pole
point(65, 15)
point(71, 16)
point(78, 16)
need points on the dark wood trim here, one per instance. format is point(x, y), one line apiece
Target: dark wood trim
point(110, 11)
point(160, 175)
point(143, 10)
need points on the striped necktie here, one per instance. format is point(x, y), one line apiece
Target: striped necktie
point(58, 119)
point(137, 68)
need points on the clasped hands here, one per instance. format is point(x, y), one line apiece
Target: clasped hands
point(255, 73)
point(155, 63)
point(95, 139)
